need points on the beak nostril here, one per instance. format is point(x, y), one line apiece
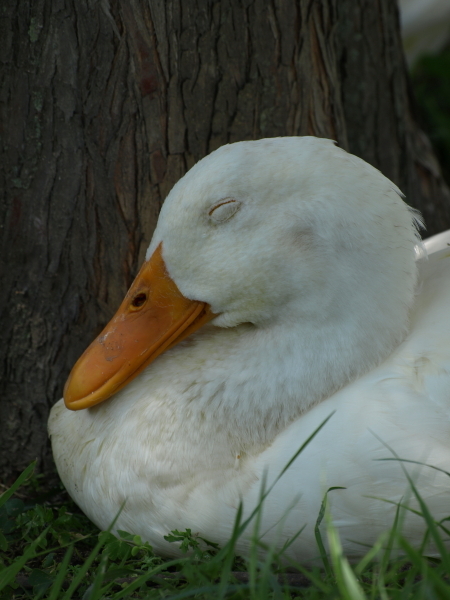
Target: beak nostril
point(139, 300)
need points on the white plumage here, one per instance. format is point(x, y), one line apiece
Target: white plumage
point(309, 257)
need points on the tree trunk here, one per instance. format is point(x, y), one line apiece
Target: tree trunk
point(105, 105)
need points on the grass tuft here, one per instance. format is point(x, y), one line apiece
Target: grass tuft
point(50, 551)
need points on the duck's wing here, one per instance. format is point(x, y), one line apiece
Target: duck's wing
point(399, 412)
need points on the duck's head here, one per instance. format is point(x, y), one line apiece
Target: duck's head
point(284, 232)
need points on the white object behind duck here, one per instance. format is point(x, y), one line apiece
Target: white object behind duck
point(308, 256)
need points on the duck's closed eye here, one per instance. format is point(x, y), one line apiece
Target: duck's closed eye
point(224, 210)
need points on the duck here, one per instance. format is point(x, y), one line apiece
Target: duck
point(286, 302)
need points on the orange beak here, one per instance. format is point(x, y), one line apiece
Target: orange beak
point(153, 317)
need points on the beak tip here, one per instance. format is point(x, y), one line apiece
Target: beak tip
point(134, 338)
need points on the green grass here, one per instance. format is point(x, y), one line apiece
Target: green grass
point(50, 551)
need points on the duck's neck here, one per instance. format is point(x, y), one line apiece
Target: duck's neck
point(246, 384)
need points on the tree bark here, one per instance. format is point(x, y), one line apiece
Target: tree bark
point(105, 104)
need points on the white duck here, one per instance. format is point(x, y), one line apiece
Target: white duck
point(303, 259)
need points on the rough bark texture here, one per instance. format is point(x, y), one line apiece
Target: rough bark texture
point(106, 103)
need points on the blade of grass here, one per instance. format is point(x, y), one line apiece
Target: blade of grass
point(90, 559)
point(432, 527)
point(404, 506)
point(117, 572)
point(371, 554)
point(253, 561)
point(381, 586)
point(318, 535)
point(316, 581)
point(145, 577)
point(291, 540)
point(59, 579)
point(238, 529)
point(345, 578)
point(228, 555)
point(95, 591)
point(9, 574)
point(3, 542)
point(300, 450)
point(444, 529)
point(243, 526)
point(208, 590)
point(268, 583)
point(62, 546)
point(283, 517)
point(414, 462)
point(422, 566)
point(84, 569)
point(393, 534)
point(19, 481)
